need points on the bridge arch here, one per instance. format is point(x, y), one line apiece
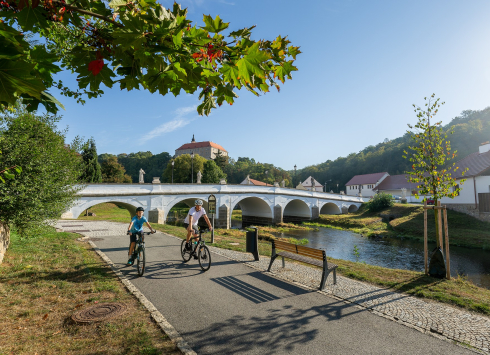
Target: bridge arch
point(255, 210)
point(352, 208)
point(130, 207)
point(296, 211)
point(330, 208)
point(189, 201)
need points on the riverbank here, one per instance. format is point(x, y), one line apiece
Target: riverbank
point(459, 291)
point(407, 221)
point(46, 279)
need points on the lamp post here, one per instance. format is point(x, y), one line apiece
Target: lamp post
point(338, 188)
point(326, 182)
point(266, 172)
point(294, 177)
point(173, 162)
point(192, 167)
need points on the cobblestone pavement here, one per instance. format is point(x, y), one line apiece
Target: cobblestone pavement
point(430, 317)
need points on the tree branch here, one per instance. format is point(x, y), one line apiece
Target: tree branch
point(93, 14)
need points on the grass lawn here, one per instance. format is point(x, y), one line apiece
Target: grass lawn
point(44, 280)
point(459, 291)
point(408, 221)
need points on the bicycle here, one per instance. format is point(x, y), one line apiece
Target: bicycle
point(139, 252)
point(203, 255)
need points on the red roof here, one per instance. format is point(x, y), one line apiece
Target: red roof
point(259, 183)
point(196, 145)
point(366, 179)
point(395, 182)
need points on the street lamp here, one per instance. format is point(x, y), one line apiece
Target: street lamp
point(294, 177)
point(326, 182)
point(173, 162)
point(192, 167)
point(338, 188)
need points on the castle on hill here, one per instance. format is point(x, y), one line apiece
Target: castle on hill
point(207, 149)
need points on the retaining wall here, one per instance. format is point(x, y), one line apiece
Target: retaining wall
point(469, 209)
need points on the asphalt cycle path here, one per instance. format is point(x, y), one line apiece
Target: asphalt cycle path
point(234, 309)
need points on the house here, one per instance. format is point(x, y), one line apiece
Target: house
point(207, 149)
point(364, 184)
point(307, 184)
point(249, 181)
point(474, 198)
point(394, 185)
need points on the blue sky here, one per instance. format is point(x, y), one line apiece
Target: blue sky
point(364, 64)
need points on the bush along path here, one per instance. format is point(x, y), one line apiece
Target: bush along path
point(44, 280)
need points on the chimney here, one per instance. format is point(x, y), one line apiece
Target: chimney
point(484, 147)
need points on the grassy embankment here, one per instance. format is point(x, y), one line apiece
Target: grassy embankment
point(44, 280)
point(458, 291)
point(408, 221)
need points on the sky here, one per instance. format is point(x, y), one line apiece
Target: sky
point(363, 65)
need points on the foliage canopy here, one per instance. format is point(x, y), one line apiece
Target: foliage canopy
point(132, 44)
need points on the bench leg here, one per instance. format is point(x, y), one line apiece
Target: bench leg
point(283, 264)
point(273, 257)
point(324, 279)
point(334, 276)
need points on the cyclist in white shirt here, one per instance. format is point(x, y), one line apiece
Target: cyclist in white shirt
point(190, 222)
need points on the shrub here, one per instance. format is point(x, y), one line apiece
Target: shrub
point(380, 201)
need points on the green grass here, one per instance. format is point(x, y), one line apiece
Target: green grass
point(45, 279)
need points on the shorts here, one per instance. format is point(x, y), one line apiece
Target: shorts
point(133, 236)
point(196, 230)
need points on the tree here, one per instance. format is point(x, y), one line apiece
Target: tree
point(136, 44)
point(430, 155)
point(47, 186)
point(153, 165)
point(212, 173)
point(220, 159)
point(91, 167)
point(112, 171)
point(182, 169)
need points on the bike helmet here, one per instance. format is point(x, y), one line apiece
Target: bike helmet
point(140, 209)
point(198, 202)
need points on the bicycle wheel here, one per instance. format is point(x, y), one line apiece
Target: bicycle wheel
point(186, 254)
point(204, 258)
point(141, 260)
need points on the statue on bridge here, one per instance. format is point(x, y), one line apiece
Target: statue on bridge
point(142, 179)
point(199, 176)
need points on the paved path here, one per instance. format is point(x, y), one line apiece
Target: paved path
point(236, 309)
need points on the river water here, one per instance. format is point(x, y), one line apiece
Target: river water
point(394, 253)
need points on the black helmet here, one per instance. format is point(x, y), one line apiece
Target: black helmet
point(140, 209)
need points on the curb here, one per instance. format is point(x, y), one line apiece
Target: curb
point(167, 328)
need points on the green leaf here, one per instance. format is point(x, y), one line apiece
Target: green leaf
point(244, 33)
point(117, 3)
point(177, 39)
point(249, 65)
point(214, 26)
point(208, 104)
point(15, 80)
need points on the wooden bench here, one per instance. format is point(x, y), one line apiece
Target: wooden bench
point(306, 255)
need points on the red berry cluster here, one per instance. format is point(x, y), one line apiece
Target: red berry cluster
point(210, 53)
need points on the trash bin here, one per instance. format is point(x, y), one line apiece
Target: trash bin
point(252, 243)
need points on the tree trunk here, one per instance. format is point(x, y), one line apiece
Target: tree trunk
point(4, 240)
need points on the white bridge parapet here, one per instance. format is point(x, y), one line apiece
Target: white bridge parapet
point(259, 204)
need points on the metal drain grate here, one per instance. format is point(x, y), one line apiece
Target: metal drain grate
point(99, 312)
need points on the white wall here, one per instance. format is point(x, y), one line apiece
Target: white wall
point(467, 193)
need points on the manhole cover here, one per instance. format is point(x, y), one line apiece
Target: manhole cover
point(94, 239)
point(99, 312)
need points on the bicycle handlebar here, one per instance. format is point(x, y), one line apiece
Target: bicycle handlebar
point(147, 233)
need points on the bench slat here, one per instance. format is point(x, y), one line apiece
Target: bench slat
point(299, 249)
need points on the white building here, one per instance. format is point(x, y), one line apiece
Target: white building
point(308, 184)
point(474, 198)
point(254, 182)
point(206, 149)
point(364, 184)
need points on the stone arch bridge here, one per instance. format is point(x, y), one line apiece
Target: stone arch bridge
point(261, 205)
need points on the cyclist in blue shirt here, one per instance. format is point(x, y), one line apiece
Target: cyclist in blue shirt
point(136, 228)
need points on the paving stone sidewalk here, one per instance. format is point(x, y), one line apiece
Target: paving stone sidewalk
point(431, 317)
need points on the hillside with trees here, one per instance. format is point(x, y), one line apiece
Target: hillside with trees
point(471, 129)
